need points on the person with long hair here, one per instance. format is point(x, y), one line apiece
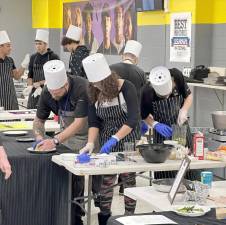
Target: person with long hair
point(113, 115)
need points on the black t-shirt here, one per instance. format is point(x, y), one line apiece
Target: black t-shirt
point(128, 91)
point(132, 73)
point(8, 60)
point(149, 95)
point(75, 100)
point(41, 60)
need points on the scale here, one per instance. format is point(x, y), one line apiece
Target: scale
point(218, 138)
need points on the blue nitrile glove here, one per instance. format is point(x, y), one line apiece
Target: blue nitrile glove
point(83, 158)
point(163, 129)
point(143, 127)
point(106, 148)
point(36, 143)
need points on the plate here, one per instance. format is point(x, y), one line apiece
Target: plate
point(26, 139)
point(15, 133)
point(191, 210)
point(30, 149)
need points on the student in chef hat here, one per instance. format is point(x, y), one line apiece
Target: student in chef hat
point(72, 43)
point(114, 116)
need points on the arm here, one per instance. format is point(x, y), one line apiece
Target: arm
point(17, 73)
point(4, 163)
point(93, 134)
point(187, 102)
point(39, 128)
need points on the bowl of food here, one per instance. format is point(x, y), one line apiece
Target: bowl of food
point(155, 153)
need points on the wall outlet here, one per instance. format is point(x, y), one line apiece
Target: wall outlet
point(187, 71)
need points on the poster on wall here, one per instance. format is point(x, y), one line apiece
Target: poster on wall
point(180, 37)
point(106, 24)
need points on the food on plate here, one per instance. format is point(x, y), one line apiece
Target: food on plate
point(189, 209)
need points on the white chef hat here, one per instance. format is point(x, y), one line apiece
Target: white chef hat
point(161, 80)
point(42, 35)
point(55, 74)
point(4, 38)
point(133, 47)
point(96, 67)
point(74, 33)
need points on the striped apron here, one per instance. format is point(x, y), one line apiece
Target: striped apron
point(8, 98)
point(166, 111)
point(113, 118)
point(75, 143)
point(38, 75)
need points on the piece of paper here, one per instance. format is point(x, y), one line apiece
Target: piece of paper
point(145, 220)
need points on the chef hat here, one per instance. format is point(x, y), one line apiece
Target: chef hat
point(42, 35)
point(161, 81)
point(133, 47)
point(55, 74)
point(96, 67)
point(74, 33)
point(4, 38)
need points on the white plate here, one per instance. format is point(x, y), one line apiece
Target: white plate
point(191, 214)
point(30, 149)
point(15, 133)
point(68, 156)
point(25, 139)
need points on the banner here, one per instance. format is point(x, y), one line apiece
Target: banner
point(106, 24)
point(180, 37)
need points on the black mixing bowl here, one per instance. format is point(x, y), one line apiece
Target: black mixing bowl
point(155, 153)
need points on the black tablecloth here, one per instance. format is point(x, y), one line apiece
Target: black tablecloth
point(37, 191)
point(208, 219)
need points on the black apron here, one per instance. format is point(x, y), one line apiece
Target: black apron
point(113, 118)
point(8, 98)
point(38, 75)
point(166, 111)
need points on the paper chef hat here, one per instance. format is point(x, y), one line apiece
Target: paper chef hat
point(42, 35)
point(55, 74)
point(74, 33)
point(133, 47)
point(96, 67)
point(161, 81)
point(4, 38)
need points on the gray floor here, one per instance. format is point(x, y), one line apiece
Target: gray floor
point(118, 203)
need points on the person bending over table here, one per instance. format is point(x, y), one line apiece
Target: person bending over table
point(114, 115)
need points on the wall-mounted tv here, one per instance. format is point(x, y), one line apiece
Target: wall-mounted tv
point(149, 5)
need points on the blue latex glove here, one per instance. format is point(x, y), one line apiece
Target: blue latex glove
point(106, 148)
point(83, 158)
point(163, 129)
point(143, 127)
point(36, 143)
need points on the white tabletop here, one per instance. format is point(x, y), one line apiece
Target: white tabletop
point(139, 166)
point(50, 125)
point(223, 88)
point(19, 114)
point(159, 200)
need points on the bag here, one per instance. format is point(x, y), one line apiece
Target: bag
point(199, 72)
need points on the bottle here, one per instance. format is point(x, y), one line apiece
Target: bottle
point(198, 143)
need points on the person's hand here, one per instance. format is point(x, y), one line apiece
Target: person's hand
point(143, 127)
point(25, 61)
point(4, 164)
point(106, 148)
point(45, 145)
point(34, 144)
point(37, 92)
point(83, 158)
point(163, 129)
point(182, 117)
point(27, 90)
point(87, 149)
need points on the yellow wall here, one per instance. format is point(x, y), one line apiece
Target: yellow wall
point(48, 13)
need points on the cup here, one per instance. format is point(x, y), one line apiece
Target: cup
point(129, 150)
point(179, 134)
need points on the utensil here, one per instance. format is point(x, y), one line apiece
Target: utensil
point(219, 120)
point(14, 133)
point(155, 153)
